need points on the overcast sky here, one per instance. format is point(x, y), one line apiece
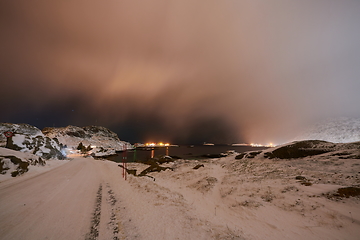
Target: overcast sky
point(181, 71)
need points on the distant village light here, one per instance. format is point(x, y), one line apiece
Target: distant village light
point(160, 144)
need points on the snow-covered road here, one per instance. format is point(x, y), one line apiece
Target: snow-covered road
point(73, 201)
point(57, 204)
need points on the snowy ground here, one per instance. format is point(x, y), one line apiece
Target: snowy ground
point(226, 199)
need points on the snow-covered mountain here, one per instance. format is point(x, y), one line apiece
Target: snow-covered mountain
point(102, 140)
point(339, 130)
point(58, 142)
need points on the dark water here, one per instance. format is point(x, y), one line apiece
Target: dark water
point(182, 151)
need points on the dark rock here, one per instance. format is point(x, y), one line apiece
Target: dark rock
point(220, 155)
point(303, 180)
point(22, 166)
point(2, 168)
point(240, 156)
point(164, 159)
point(79, 134)
point(253, 154)
point(300, 178)
point(305, 183)
point(154, 168)
point(349, 192)
point(198, 166)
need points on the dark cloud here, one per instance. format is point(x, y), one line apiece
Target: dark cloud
point(254, 71)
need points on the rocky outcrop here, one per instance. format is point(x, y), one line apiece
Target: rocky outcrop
point(27, 138)
point(17, 163)
point(102, 140)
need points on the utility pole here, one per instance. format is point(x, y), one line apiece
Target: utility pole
point(124, 161)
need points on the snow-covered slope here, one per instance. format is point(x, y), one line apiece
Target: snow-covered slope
point(99, 137)
point(27, 138)
point(17, 163)
point(306, 148)
point(340, 130)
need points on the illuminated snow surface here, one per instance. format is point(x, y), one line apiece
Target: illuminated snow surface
point(227, 198)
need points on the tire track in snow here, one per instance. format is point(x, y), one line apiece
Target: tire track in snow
point(113, 223)
point(94, 229)
point(105, 223)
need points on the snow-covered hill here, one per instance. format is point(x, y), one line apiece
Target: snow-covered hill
point(339, 130)
point(58, 142)
point(102, 140)
point(29, 146)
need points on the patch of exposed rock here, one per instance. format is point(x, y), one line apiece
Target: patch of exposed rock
point(17, 163)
